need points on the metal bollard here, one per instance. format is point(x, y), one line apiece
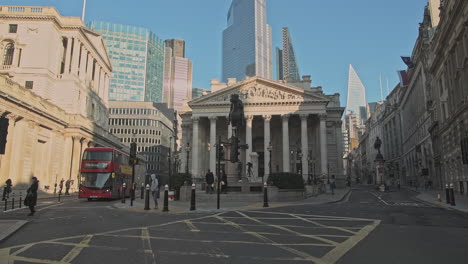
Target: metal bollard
point(166, 198)
point(21, 200)
point(60, 194)
point(447, 193)
point(452, 195)
point(147, 203)
point(265, 195)
point(123, 192)
point(132, 195)
point(192, 199)
point(142, 190)
point(13, 201)
point(6, 205)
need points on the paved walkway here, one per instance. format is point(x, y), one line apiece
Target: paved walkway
point(461, 201)
point(184, 206)
point(8, 227)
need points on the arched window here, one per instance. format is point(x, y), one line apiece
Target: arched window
point(8, 54)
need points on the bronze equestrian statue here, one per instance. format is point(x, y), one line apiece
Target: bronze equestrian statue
point(236, 114)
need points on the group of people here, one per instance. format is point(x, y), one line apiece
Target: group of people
point(31, 194)
point(67, 186)
point(210, 182)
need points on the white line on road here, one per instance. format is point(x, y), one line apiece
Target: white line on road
point(378, 197)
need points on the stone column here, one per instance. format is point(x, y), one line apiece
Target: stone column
point(266, 143)
point(89, 68)
point(195, 141)
point(106, 88)
point(304, 146)
point(248, 139)
point(213, 143)
point(96, 77)
point(84, 55)
point(68, 56)
point(76, 55)
point(323, 144)
point(286, 165)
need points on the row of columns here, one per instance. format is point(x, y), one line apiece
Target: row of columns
point(82, 67)
point(267, 141)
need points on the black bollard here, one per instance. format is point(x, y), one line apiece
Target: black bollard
point(166, 198)
point(21, 200)
point(60, 194)
point(132, 195)
point(452, 195)
point(13, 201)
point(6, 205)
point(192, 199)
point(123, 191)
point(147, 203)
point(142, 190)
point(447, 193)
point(265, 195)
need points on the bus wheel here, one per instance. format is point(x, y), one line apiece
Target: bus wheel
point(89, 199)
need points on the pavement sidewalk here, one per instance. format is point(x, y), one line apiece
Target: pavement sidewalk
point(226, 205)
point(8, 227)
point(430, 196)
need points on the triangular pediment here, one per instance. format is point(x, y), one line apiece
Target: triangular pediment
point(260, 90)
point(98, 42)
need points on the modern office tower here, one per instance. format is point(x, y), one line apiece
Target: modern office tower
point(137, 56)
point(247, 44)
point(177, 74)
point(356, 102)
point(286, 59)
point(148, 124)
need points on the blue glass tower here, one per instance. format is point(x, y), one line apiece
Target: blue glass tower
point(137, 56)
point(247, 45)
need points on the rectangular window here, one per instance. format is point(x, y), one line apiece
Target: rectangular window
point(13, 28)
point(29, 84)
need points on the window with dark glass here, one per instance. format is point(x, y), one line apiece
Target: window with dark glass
point(13, 28)
point(29, 84)
point(8, 54)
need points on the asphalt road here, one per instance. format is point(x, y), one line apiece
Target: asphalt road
point(366, 227)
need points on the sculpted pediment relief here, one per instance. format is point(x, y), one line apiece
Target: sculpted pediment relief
point(257, 92)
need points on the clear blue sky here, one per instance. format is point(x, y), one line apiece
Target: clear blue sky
point(327, 35)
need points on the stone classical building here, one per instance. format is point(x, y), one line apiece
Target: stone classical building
point(447, 67)
point(54, 80)
point(293, 119)
point(150, 126)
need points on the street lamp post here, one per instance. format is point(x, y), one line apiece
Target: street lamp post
point(309, 178)
point(299, 155)
point(169, 156)
point(187, 149)
point(269, 148)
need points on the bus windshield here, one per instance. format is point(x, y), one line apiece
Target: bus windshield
point(96, 180)
point(98, 155)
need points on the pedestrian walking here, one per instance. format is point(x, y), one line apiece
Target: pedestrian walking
point(155, 190)
point(7, 190)
point(209, 179)
point(31, 196)
point(67, 187)
point(332, 184)
point(61, 186)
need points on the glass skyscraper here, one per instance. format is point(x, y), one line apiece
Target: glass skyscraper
point(247, 44)
point(286, 59)
point(137, 56)
point(356, 103)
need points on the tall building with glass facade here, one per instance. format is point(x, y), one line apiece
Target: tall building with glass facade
point(287, 68)
point(137, 56)
point(247, 44)
point(356, 103)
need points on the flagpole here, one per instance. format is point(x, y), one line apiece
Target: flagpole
point(84, 10)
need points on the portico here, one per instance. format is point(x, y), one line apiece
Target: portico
point(302, 124)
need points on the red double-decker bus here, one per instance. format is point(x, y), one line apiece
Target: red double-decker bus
point(103, 172)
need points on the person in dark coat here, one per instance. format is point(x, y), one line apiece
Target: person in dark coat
point(209, 177)
point(31, 197)
point(67, 187)
point(61, 186)
point(7, 190)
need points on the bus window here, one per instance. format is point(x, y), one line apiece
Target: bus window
point(96, 180)
point(97, 155)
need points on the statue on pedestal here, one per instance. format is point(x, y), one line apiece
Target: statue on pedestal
point(236, 114)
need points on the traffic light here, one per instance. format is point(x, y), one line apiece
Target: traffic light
point(220, 152)
point(133, 149)
point(3, 134)
point(235, 149)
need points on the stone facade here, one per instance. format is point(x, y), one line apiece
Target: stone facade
point(295, 120)
point(54, 79)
